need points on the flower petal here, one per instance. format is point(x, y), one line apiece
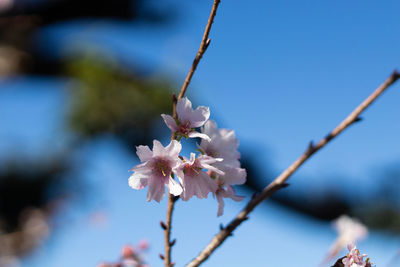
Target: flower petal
point(184, 109)
point(138, 180)
point(199, 116)
point(170, 122)
point(173, 149)
point(174, 187)
point(144, 153)
point(195, 134)
point(156, 188)
point(158, 148)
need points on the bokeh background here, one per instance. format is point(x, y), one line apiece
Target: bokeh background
point(83, 82)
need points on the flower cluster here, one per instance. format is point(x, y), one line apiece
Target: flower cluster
point(354, 259)
point(215, 170)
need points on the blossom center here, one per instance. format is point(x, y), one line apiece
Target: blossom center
point(162, 167)
point(185, 128)
point(191, 170)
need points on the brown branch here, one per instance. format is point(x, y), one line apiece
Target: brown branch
point(172, 199)
point(280, 181)
point(205, 41)
point(167, 230)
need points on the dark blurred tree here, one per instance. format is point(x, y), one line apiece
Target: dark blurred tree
point(105, 99)
point(21, 20)
point(108, 99)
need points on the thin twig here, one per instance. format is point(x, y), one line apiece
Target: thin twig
point(205, 41)
point(171, 199)
point(167, 232)
point(280, 181)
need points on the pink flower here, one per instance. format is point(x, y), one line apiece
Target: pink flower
point(354, 259)
point(156, 169)
point(188, 119)
point(223, 144)
point(194, 180)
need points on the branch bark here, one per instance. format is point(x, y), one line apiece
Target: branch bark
point(171, 199)
point(280, 181)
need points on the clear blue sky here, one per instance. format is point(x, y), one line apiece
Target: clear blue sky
point(279, 73)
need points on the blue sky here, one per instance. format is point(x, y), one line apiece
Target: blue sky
point(280, 73)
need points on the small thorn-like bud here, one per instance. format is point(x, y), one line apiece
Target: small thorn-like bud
point(285, 185)
point(310, 146)
point(161, 256)
point(208, 42)
point(221, 227)
point(358, 119)
point(172, 264)
point(163, 226)
point(255, 194)
point(174, 99)
point(230, 234)
point(172, 242)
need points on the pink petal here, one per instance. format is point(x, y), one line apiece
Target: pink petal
point(144, 153)
point(158, 148)
point(195, 134)
point(173, 149)
point(174, 187)
point(199, 116)
point(184, 109)
point(232, 175)
point(170, 122)
point(156, 188)
point(138, 180)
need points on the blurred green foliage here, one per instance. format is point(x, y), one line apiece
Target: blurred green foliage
point(108, 99)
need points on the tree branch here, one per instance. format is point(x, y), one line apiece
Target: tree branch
point(202, 49)
point(280, 181)
point(171, 199)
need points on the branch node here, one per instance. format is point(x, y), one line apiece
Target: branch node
point(221, 227)
point(172, 264)
point(163, 226)
point(161, 256)
point(172, 242)
point(357, 119)
point(310, 147)
point(207, 43)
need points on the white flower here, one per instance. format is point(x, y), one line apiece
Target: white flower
point(188, 119)
point(223, 144)
point(194, 180)
point(156, 169)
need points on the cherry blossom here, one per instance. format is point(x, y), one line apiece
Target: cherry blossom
point(156, 169)
point(354, 259)
point(194, 180)
point(188, 119)
point(223, 144)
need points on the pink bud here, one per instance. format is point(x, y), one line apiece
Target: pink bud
point(128, 252)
